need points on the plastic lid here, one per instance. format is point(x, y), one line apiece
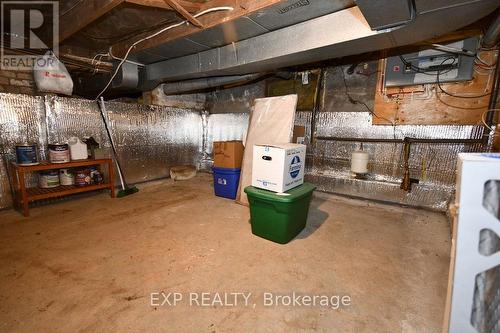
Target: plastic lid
point(294, 194)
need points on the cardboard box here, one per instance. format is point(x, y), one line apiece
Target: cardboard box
point(299, 134)
point(228, 154)
point(278, 167)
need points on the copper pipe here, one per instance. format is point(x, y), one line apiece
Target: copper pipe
point(406, 183)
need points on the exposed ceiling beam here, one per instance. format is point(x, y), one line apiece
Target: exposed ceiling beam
point(241, 8)
point(183, 12)
point(82, 15)
point(191, 7)
point(344, 33)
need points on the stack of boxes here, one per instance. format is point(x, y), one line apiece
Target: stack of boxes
point(279, 199)
point(227, 167)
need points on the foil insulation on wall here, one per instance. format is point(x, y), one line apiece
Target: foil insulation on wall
point(221, 127)
point(328, 162)
point(149, 139)
point(22, 120)
point(433, 164)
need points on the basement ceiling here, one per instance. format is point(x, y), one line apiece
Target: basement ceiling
point(245, 36)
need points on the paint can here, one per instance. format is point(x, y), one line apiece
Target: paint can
point(48, 179)
point(82, 177)
point(66, 177)
point(59, 153)
point(26, 154)
point(95, 175)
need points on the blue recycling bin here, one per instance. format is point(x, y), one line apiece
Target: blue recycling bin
point(226, 182)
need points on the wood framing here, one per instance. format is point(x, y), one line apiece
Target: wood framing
point(189, 6)
point(240, 8)
point(427, 105)
point(82, 15)
point(184, 13)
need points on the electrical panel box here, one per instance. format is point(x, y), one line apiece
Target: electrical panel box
point(453, 62)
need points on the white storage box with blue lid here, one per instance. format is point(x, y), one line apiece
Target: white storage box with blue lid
point(278, 167)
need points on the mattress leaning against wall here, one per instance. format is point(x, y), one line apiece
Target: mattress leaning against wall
point(150, 139)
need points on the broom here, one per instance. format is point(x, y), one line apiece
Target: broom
point(126, 190)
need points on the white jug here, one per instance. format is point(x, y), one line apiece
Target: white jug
point(77, 149)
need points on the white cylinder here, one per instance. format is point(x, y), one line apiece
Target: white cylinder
point(359, 161)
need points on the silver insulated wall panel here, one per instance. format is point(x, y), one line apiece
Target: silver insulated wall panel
point(433, 164)
point(22, 119)
point(149, 139)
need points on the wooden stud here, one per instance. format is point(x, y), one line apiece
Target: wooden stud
point(191, 7)
point(243, 8)
point(84, 14)
point(184, 13)
point(397, 105)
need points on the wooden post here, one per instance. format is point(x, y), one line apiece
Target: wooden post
point(24, 194)
point(111, 177)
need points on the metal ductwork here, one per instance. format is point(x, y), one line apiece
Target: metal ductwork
point(296, 32)
point(377, 15)
point(339, 34)
point(492, 36)
point(206, 83)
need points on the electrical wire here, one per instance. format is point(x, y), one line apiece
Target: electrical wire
point(450, 94)
point(76, 4)
point(128, 35)
point(355, 101)
point(120, 64)
point(483, 120)
point(483, 64)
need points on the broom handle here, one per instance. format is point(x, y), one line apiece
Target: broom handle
point(102, 109)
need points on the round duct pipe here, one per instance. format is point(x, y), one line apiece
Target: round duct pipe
point(492, 35)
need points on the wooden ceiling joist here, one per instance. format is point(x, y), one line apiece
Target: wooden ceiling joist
point(191, 7)
point(84, 14)
point(240, 8)
point(179, 9)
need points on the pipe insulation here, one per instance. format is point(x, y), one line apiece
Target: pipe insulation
point(180, 87)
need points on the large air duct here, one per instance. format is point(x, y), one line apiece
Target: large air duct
point(492, 35)
point(335, 35)
point(181, 87)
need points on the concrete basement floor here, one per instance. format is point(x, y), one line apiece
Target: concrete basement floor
point(91, 264)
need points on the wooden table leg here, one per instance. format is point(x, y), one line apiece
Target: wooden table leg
point(24, 193)
point(111, 177)
point(15, 196)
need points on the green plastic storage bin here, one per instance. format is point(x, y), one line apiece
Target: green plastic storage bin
point(279, 217)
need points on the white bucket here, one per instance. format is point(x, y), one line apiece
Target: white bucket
point(48, 179)
point(66, 177)
point(359, 161)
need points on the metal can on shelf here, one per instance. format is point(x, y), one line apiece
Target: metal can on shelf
point(82, 177)
point(59, 153)
point(66, 177)
point(26, 154)
point(48, 179)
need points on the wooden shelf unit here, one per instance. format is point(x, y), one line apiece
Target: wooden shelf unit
point(24, 195)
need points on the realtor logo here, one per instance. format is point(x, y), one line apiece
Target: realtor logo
point(28, 29)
